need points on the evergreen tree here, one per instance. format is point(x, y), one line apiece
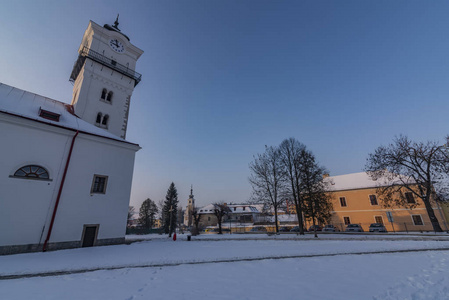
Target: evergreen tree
point(169, 210)
point(147, 213)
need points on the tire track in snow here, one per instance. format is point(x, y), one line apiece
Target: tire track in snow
point(230, 260)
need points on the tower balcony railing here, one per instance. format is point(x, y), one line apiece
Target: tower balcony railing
point(100, 58)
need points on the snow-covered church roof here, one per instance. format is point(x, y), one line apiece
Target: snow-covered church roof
point(28, 105)
point(235, 208)
point(361, 181)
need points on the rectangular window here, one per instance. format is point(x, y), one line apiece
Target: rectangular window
point(379, 219)
point(343, 201)
point(373, 200)
point(409, 197)
point(347, 220)
point(417, 220)
point(99, 184)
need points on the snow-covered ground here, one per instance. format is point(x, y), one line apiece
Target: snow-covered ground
point(159, 268)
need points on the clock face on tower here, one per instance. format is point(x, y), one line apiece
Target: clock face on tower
point(117, 46)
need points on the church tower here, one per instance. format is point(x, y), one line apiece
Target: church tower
point(104, 77)
point(188, 219)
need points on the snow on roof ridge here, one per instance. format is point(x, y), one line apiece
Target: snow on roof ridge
point(358, 180)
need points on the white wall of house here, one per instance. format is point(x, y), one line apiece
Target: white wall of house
point(79, 206)
point(26, 205)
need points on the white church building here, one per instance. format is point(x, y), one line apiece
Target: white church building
point(66, 169)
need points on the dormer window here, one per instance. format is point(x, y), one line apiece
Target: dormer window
point(49, 115)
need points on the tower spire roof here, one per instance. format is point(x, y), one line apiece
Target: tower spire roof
point(116, 23)
point(115, 27)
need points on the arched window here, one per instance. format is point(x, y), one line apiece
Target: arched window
point(98, 120)
point(103, 94)
point(109, 98)
point(32, 172)
point(105, 120)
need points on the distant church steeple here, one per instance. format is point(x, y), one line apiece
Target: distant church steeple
point(188, 221)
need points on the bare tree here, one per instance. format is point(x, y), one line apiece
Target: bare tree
point(314, 190)
point(290, 150)
point(160, 215)
point(267, 179)
point(220, 210)
point(196, 217)
point(131, 212)
point(407, 166)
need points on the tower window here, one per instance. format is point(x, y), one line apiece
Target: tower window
point(109, 97)
point(32, 172)
point(98, 120)
point(105, 120)
point(103, 94)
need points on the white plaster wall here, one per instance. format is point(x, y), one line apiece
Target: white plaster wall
point(96, 77)
point(78, 206)
point(25, 204)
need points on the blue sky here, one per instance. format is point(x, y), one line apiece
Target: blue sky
point(221, 79)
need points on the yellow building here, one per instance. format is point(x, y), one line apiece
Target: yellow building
point(355, 202)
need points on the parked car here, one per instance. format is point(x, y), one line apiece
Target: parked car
point(296, 229)
point(284, 229)
point(330, 228)
point(354, 228)
point(317, 228)
point(377, 227)
point(258, 229)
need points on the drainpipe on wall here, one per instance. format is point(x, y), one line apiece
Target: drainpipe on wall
point(59, 192)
